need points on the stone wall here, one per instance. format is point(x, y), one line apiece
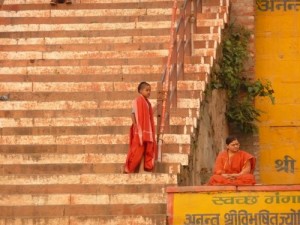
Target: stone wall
point(208, 140)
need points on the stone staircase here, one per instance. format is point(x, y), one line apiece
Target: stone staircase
point(72, 72)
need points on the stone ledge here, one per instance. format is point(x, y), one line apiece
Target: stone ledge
point(222, 188)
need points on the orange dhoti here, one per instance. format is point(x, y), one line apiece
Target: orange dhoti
point(233, 165)
point(137, 152)
point(142, 137)
point(244, 179)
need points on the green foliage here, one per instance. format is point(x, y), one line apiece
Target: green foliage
point(228, 74)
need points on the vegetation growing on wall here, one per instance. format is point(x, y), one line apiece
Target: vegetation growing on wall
point(228, 74)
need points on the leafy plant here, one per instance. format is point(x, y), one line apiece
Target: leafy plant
point(228, 74)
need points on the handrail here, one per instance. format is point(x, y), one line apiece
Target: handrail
point(174, 68)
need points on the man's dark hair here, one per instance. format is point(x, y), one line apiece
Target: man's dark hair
point(230, 139)
point(142, 85)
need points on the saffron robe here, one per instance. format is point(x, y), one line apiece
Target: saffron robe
point(234, 164)
point(142, 141)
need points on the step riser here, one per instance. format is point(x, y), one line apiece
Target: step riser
point(87, 210)
point(94, 168)
point(94, 220)
point(102, 33)
point(88, 179)
point(77, 149)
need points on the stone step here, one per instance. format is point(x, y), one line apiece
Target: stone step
point(46, 2)
point(90, 179)
point(212, 15)
point(77, 105)
point(74, 55)
point(84, 15)
point(94, 168)
point(89, 33)
point(86, 69)
point(85, 27)
point(93, 139)
point(208, 30)
point(85, 47)
point(97, 161)
point(79, 122)
point(81, 199)
point(72, 95)
point(198, 68)
point(204, 44)
point(112, 87)
point(65, 122)
point(71, 130)
point(212, 2)
point(47, 42)
point(67, 113)
point(11, 75)
point(215, 9)
point(93, 148)
point(89, 130)
point(88, 16)
point(199, 77)
point(176, 112)
point(40, 70)
point(207, 37)
point(52, 87)
point(82, 19)
point(81, 188)
point(89, 210)
point(210, 23)
point(158, 219)
point(40, 6)
point(205, 52)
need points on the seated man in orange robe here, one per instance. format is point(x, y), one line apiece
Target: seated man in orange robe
point(142, 148)
point(233, 166)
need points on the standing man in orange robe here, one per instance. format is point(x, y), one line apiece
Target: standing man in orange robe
point(233, 166)
point(142, 148)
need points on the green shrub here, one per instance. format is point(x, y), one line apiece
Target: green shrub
point(228, 74)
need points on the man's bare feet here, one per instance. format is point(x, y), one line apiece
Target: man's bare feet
point(123, 169)
point(4, 97)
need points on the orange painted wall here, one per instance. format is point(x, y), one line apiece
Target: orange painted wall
point(277, 33)
point(233, 205)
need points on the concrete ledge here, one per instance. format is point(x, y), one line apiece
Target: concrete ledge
point(269, 188)
point(200, 189)
point(190, 189)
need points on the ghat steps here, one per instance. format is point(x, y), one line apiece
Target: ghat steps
point(72, 72)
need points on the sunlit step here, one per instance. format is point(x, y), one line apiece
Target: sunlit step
point(109, 139)
point(38, 159)
point(84, 27)
point(84, 40)
point(13, 2)
point(113, 179)
point(81, 199)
